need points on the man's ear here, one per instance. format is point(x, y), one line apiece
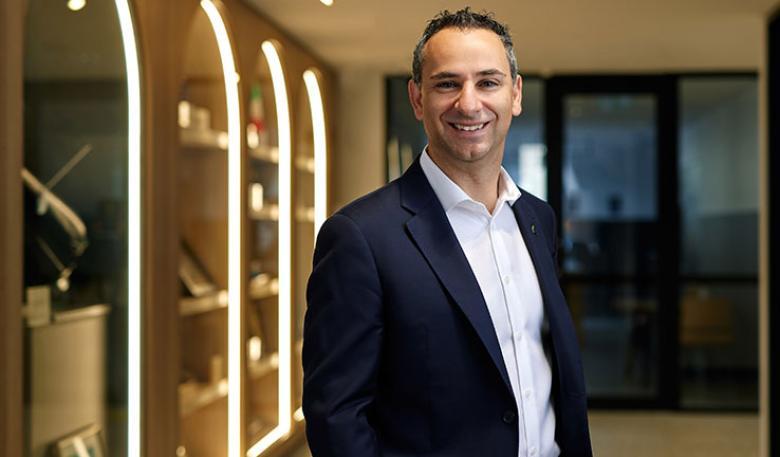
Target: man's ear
point(517, 96)
point(415, 98)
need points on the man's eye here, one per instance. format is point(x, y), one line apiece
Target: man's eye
point(489, 83)
point(445, 85)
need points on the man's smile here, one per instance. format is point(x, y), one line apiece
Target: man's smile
point(468, 127)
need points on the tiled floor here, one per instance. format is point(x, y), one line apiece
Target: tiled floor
point(665, 434)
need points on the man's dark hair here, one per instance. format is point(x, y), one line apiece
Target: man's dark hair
point(464, 19)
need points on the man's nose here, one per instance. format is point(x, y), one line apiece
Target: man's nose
point(468, 100)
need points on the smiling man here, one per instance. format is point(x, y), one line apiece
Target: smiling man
point(436, 325)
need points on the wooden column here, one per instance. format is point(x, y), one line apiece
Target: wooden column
point(11, 20)
point(160, 31)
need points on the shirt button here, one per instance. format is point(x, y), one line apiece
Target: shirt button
point(532, 451)
point(507, 279)
point(527, 393)
point(509, 417)
point(518, 336)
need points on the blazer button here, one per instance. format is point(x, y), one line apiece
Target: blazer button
point(509, 417)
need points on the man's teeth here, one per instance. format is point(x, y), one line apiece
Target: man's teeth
point(469, 128)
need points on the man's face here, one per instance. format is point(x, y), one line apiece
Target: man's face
point(466, 98)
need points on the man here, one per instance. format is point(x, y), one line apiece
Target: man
point(430, 298)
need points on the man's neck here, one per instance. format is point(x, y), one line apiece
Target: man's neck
point(479, 180)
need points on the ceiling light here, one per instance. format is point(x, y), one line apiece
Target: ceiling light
point(76, 5)
point(327, 2)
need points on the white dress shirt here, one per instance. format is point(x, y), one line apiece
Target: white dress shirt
point(502, 265)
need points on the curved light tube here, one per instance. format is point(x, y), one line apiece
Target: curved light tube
point(134, 228)
point(320, 149)
point(235, 203)
point(285, 253)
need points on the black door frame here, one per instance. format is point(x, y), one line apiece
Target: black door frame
point(663, 88)
point(773, 187)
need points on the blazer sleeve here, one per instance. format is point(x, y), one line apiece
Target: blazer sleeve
point(342, 343)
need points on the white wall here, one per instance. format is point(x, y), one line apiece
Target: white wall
point(358, 165)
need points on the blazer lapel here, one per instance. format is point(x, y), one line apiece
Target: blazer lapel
point(431, 231)
point(556, 312)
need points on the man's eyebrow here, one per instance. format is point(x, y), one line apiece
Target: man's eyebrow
point(444, 75)
point(449, 75)
point(492, 72)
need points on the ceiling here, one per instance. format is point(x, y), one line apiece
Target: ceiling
point(552, 36)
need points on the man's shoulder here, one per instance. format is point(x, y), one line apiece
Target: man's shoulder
point(381, 204)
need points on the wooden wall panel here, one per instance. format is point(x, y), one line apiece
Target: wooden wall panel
point(162, 28)
point(11, 20)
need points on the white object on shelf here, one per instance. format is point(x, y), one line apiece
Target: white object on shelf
point(265, 153)
point(204, 138)
point(269, 212)
point(256, 196)
point(305, 214)
point(263, 286)
point(185, 114)
point(305, 164)
point(201, 118)
point(38, 309)
point(254, 348)
point(196, 305)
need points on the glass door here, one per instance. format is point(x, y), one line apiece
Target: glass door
point(610, 149)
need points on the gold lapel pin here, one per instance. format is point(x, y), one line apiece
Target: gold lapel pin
point(533, 229)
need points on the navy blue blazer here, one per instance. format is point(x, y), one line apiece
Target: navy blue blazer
point(400, 357)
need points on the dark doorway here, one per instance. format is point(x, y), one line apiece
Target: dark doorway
point(612, 177)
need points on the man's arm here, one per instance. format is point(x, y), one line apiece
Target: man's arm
point(342, 343)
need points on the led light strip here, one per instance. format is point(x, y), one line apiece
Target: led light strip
point(235, 203)
point(320, 149)
point(134, 228)
point(285, 253)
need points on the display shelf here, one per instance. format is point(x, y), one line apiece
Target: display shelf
point(59, 317)
point(305, 164)
point(190, 306)
point(269, 212)
point(305, 214)
point(265, 366)
point(209, 139)
point(194, 395)
point(257, 428)
point(263, 286)
point(207, 185)
point(269, 154)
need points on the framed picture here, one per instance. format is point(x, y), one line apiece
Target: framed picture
point(85, 442)
point(193, 275)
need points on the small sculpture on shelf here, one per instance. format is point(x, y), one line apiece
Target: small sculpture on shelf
point(50, 226)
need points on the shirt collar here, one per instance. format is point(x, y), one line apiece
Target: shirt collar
point(450, 194)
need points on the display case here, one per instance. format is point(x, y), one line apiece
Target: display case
point(310, 197)
point(201, 256)
point(81, 186)
point(267, 314)
point(205, 153)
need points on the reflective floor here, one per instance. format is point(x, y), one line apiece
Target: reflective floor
point(655, 434)
point(665, 434)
